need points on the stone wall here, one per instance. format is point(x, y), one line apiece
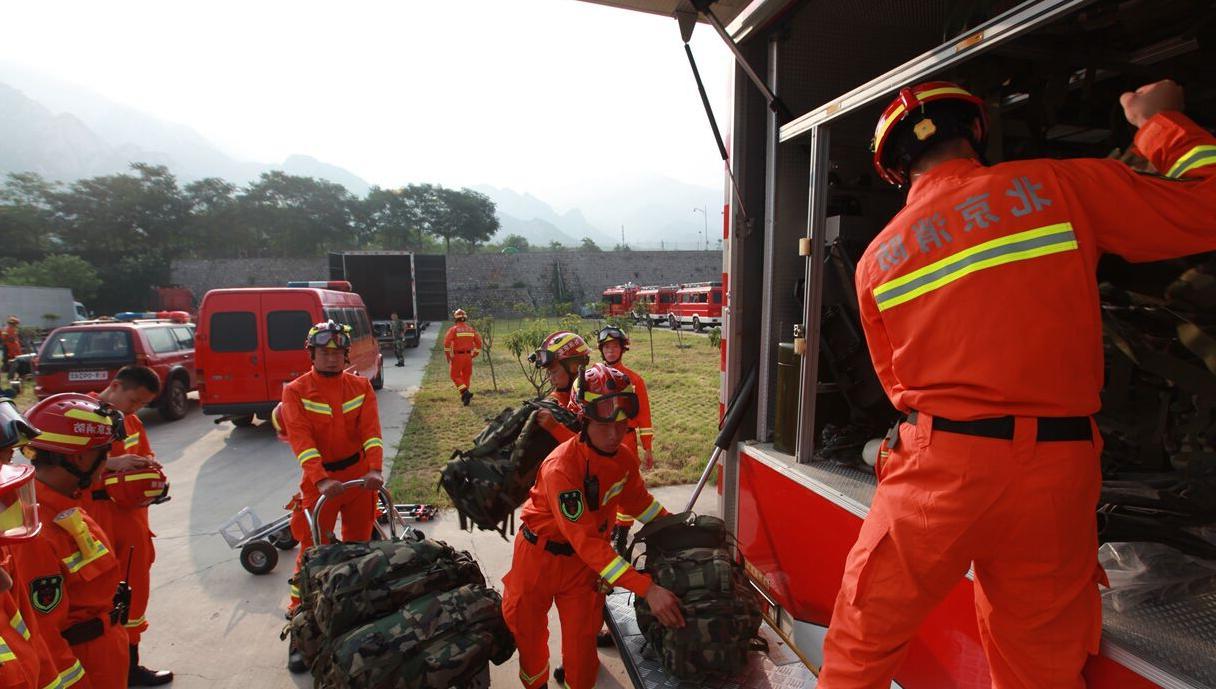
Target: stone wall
point(481, 283)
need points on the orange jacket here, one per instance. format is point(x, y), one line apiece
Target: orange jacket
point(25, 660)
point(331, 418)
point(461, 339)
point(136, 443)
point(11, 340)
point(979, 298)
point(71, 576)
point(558, 510)
point(641, 422)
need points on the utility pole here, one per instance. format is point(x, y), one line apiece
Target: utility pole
point(704, 211)
point(622, 236)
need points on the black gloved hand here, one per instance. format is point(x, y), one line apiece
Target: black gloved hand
point(620, 539)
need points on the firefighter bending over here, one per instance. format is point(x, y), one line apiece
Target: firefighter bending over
point(562, 554)
point(333, 426)
point(980, 307)
point(461, 345)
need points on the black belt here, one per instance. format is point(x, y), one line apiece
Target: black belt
point(84, 632)
point(1050, 428)
point(341, 463)
point(555, 547)
point(100, 495)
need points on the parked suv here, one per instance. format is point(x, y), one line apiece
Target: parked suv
point(84, 356)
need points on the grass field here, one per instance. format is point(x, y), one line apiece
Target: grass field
point(683, 385)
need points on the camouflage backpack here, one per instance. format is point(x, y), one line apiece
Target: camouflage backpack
point(437, 641)
point(487, 482)
point(343, 585)
point(688, 555)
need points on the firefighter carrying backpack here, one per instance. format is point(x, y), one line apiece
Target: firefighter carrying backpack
point(488, 481)
point(396, 615)
point(688, 555)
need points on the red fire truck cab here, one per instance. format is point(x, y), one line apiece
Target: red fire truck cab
point(618, 300)
point(658, 301)
point(250, 343)
point(697, 304)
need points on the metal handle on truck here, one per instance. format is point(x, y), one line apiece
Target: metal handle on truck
point(730, 425)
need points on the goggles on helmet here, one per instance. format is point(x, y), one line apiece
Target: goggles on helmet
point(543, 358)
point(18, 507)
point(15, 431)
point(618, 406)
point(329, 335)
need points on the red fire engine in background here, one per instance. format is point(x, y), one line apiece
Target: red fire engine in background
point(618, 300)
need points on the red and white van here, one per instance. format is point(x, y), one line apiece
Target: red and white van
point(658, 301)
point(618, 300)
point(250, 343)
point(697, 304)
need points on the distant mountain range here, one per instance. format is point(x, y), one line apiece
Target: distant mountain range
point(65, 132)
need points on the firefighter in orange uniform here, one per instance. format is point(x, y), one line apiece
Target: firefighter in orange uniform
point(131, 461)
point(613, 344)
point(25, 660)
point(11, 340)
point(980, 308)
point(461, 345)
point(561, 355)
point(70, 569)
point(333, 426)
point(562, 552)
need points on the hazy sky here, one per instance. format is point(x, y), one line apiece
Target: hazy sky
point(540, 95)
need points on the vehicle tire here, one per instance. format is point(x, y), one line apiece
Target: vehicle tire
point(259, 557)
point(696, 324)
point(173, 403)
point(378, 381)
point(243, 421)
point(283, 540)
point(673, 323)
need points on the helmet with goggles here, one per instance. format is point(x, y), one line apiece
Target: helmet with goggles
point(72, 424)
point(610, 333)
point(15, 431)
point(329, 334)
point(602, 393)
point(563, 347)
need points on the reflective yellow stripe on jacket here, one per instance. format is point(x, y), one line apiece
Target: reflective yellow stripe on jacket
point(352, 404)
point(1197, 157)
point(615, 570)
point(1022, 246)
point(6, 653)
point(70, 676)
point(372, 442)
point(317, 407)
point(18, 623)
point(310, 453)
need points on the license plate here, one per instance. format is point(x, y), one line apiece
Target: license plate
point(88, 375)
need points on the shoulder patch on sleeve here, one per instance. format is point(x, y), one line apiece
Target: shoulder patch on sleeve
point(46, 593)
point(571, 503)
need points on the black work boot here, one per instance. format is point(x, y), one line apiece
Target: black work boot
point(559, 676)
point(604, 639)
point(140, 676)
point(295, 661)
point(466, 397)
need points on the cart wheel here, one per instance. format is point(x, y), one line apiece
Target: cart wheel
point(259, 557)
point(283, 540)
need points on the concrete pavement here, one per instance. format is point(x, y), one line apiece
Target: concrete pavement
point(216, 625)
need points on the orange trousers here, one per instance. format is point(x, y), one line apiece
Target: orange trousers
point(537, 580)
point(1021, 512)
point(358, 510)
point(132, 540)
point(460, 368)
point(105, 659)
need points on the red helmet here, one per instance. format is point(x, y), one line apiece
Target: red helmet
point(907, 113)
point(137, 487)
point(72, 423)
point(18, 507)
point(611, 332)
point(276, 420)
point(602, 393)
point(562, 346)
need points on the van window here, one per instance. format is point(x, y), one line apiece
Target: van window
point(185, 336)
point(356, 324)
point(287, 330)
point(234, 331)
point(367, 326)
point(83, 345)
point(161, 340)
point(717, 297)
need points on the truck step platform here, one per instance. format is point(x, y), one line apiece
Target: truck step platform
point(780, 668)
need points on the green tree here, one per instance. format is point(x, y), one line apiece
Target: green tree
point(514, 241)
point(26, 227)
point(298, 216)
point(394, 217)
point(621, 247)
point(556, 246)
point(589, 245)
point(60, 270)
point(465, 214)
point(213, 228)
